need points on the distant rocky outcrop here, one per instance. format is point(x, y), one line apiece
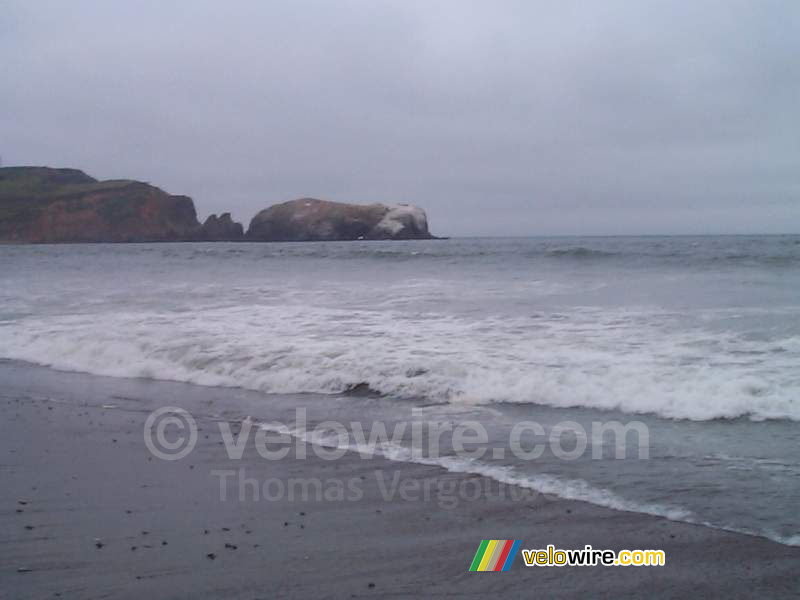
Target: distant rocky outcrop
point(309, 219)
point(221, 229)
point(46, 205)
point(41, 204)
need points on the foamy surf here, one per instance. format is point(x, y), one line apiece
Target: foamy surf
point(697, 337)
point(635, 362)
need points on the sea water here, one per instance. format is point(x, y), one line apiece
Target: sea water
point(698, 338)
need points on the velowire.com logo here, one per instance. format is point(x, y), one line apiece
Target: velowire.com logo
point(495, 555)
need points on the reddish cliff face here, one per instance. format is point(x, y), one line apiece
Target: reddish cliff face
point(39, 204)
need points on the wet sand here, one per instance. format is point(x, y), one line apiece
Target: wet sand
point(87, 512)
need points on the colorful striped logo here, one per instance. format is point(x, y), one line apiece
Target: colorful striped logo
point(495, 555)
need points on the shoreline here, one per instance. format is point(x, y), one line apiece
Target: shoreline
point(108, 519)
point(241, 241)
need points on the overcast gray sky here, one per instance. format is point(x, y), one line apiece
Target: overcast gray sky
point(499, 118)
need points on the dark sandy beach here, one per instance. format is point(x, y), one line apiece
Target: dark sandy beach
point(87, 512)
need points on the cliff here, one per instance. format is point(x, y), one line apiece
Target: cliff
point(45, 205)
point(309, 219)
point(40, 204)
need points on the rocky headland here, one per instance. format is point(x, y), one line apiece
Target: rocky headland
point(47, 205)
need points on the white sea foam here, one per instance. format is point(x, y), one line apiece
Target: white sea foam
point(628, 361)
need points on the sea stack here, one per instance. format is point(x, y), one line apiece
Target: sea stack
point(221, 229)
point(310, 219)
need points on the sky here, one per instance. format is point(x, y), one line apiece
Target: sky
point(497, 117)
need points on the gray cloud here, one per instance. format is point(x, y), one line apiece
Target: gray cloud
point(498, 117)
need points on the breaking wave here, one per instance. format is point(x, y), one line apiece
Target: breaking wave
point(635, 363)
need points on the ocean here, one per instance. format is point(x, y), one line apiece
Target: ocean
point(698, 338)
